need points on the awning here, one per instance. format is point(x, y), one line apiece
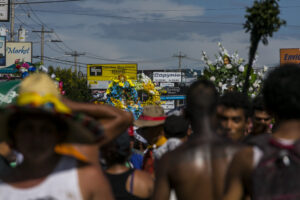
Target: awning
point(8, 91)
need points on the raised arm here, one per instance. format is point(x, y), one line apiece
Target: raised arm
point(113, 120)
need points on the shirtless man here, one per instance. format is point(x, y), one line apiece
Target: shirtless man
point(196, 169)
point(254, 170)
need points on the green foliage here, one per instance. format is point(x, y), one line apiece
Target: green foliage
point(263, 19)
point(76, 88)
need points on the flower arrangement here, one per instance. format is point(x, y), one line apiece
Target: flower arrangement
point(24, 67)
point(122, 94)
point(146, 85)
point(228, 72)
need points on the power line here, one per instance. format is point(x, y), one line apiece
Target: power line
point(43, 2)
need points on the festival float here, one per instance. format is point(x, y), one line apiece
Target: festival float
point(228, 72)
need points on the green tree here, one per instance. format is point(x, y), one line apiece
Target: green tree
point(75, 88)
point(262, 21)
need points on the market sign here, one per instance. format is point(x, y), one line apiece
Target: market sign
point(168, 105)
point(165, 77)
point(108, 72)
point(290, 56)
point(2, 51)
point(4, 10)
point(18, 50)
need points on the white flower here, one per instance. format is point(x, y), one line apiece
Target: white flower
point(241, 68)
point(209, 62)
point(265, 68)
point(224, 87)
point(251, 89)
point(212, 78)
point(255, 84)
point(241, 83)
point(220, 84)
point(23, 69)
point(195, 74)
point(228, 66)
point(53, 76)
point(252, 95)
point(219, 44)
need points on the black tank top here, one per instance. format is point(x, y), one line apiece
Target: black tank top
point(118, 184)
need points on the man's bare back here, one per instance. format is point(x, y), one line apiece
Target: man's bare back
point(196, 170)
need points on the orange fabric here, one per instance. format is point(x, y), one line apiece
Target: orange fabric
point(68, 149)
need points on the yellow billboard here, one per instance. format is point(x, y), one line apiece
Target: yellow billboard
point(108, 72)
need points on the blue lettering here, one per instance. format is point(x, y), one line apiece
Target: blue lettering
point(17, 51)
point(285, 56)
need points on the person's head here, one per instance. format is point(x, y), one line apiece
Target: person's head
point(176, 127)
point(281, 92)
point(226, 60)
point(118, 151)
point(201, 99)
point(233, 111)
point(261, 119)
point(35, 135)
point(151, 123)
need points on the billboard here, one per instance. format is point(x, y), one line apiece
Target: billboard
point(4, 10)
point(165, 77)
point(290, 56)
point(2, 51)
point(18, 50)
point(108, 72)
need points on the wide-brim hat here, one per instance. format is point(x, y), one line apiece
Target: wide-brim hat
point(38, 95)
point(153, 115)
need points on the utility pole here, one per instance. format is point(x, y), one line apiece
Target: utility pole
point(42, 41)
point(75, 54)
point(179, 56)
point(12, 20)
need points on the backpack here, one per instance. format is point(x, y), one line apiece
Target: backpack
point(277, 175)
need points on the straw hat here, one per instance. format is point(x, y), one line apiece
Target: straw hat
point(38, 94)
point(153, 115)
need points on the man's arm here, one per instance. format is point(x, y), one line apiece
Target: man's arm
point(113, 120)
point(162, 187)
point(239, 175)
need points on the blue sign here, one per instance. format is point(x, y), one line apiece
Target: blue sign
point(172, 98)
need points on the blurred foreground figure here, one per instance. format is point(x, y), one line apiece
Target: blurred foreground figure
point(196, 169)
point(127, 184)
point(34, 127)
point(271, 168)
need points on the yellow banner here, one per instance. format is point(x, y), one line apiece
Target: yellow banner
point(108, 72)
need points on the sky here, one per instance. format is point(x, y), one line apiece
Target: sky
point(150, 32)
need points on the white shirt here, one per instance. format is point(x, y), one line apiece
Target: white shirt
point(59, 185)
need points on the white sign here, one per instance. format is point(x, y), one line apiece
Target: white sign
point(98, 84)
point(168, 105)
point(166, 85)
point(4, 10)
point(18, 50)
point(166, 77)
point(2, 51)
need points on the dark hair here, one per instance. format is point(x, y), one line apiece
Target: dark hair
point(117, 151)
point(176, 126)
point(201, 99)
point(17, 117)
point(281, 92)
point(236, 100)
point(258, 104)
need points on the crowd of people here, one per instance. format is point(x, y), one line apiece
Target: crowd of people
point(218, 147)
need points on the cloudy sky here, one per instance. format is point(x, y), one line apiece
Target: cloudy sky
point(150, 32)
